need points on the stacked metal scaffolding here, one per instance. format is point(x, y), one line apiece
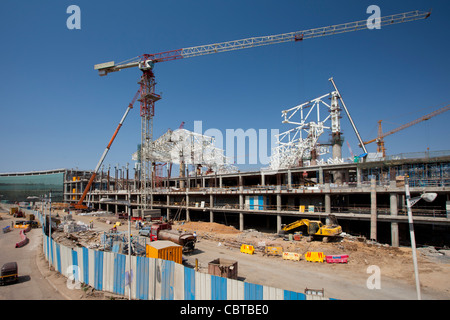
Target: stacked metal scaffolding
point(301, 142)
point(184, 147)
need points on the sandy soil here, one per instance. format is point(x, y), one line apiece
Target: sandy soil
point(395, 263)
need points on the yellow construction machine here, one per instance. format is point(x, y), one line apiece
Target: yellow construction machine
point(315, 228)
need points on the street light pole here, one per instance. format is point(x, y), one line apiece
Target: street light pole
point(129, 251)
point(128, 204)
point(413, 238)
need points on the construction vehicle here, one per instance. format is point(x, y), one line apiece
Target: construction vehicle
point(316, 229)
point(163, 231)
point(380, 138)
point(9, 273)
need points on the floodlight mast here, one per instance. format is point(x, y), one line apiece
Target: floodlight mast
point(146, 63)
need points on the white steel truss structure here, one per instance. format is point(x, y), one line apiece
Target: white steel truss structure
point(182, 146)
point(301, 142)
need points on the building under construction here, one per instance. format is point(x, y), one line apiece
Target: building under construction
point(369, 199)
point(304, 178)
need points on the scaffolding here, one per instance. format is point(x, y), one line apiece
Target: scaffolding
point(301, 142)
point(184, 147)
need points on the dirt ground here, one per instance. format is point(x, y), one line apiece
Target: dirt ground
point(395, 263)
point(342, 281)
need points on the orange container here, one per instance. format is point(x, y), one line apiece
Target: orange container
point(163, 249)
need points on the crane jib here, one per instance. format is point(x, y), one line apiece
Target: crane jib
point(105, 68)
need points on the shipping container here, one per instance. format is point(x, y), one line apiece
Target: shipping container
point(166, 250)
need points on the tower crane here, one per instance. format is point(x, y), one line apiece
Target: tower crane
point(146, 63)
point(380, 138)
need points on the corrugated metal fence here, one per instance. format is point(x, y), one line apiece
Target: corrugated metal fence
point(152, 279)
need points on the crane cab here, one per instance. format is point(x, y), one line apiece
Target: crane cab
point(146, 64)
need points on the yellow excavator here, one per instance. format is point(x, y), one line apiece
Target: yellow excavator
point(315, 228)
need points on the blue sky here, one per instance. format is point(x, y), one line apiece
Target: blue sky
point(56, 112)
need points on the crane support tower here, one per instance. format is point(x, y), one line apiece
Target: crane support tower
point(146, 64)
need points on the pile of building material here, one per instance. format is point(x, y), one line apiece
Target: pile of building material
point(72, 226)
point(68, 225)
point(84, 238)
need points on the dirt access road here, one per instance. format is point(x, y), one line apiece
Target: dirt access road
point(36, 280)
point(32, 284)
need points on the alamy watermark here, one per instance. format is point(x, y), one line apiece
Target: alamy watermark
point(374, 21)
point(73, 277)
point(374, 280)
point(250, 146)
point(74, 20)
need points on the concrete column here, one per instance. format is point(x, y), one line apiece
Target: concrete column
point(395, 242)
point(358, 177)
point(211, 205)
point(241, 221)
point(241, 202)
point(263, 179)
point(289, 179)
point(168, 209)
point(373, 209)
point(327, 203)
point(116, 206)
point(278, 198)
point(337, 176)
point(278, 223)
point(220, 181)
point(320, 175)
point(128, 198)
point(188, 218)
